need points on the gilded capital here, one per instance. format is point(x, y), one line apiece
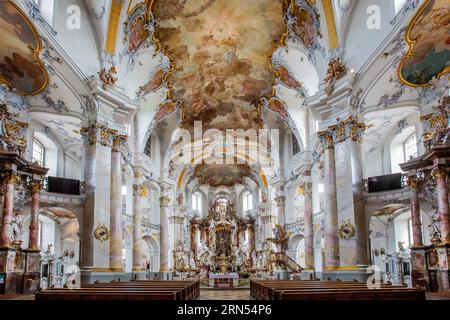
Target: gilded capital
point(412, 182)
point(35, 186)
point(326, 138)
point(11, 178)
point(439, 173)
point(307, 188)
point(140, 190)
point(164, 201)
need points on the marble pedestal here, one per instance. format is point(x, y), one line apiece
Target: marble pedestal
point(32, 273)
point(8, 278)
point(443, 271)
point(281, 275)
point(419, 272)
point(165, 275)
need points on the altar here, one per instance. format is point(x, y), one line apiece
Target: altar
point(220, 280)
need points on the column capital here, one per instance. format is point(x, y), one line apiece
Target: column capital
point(164, 201)
point(280, 200)
point(343, 130)
point(307, 188)
point(439, 173)
point(35, 186)
point(413, 182)
point(11, 177)
point(326, 138)
point(140, 190)
point(101, 133)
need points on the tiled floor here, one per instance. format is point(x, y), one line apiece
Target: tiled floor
point(223, 294)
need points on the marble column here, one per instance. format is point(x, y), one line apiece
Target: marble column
point(10, 180)
point(194, 231)
point(115, 259)
point(309, 243)
point(331, 215)
point(251, 239)
point(440, 176)
point(358, 201)
point(164, 202)
point(35, 188)
point(416, 222)
point(281, 210)
point(138, 193)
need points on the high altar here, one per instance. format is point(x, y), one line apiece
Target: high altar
point(222, 243)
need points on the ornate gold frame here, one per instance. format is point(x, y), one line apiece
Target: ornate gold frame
point(36, 51)
point(411, 43)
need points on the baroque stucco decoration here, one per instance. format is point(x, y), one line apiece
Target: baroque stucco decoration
point(427, 35)
point(20, 66)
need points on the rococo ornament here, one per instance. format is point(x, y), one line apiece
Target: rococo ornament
point(12, 131)
point(140, 190)
point(435, 124)
point(35, 186)
point(164, 201)
point(439, 173)
point(346, 231)
point(107, 77)
point(101, 233)
point(11, 178)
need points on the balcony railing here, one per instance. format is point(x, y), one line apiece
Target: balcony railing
point(63, 186)
point(385, 183)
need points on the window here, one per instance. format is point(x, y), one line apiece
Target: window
point(321, 188)
point(196, 202)
point(295, 145)
point(398, 5)
point(148, 147)
point(247, 201)
point(124, 190)
point(38, 152)
point(410, 147)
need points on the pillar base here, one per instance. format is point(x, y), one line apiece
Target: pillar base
point(165, 275)
point(419, 274)
point(31, 277)
point(8, 278)
point(443, 273)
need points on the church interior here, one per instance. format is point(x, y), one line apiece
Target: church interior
point(224, 149)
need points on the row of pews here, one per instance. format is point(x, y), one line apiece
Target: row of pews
point(133, 290)
point(329, 290)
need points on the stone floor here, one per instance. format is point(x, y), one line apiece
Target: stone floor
point(225, 294)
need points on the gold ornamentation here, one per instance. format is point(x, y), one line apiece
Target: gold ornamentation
point(101, 233)
point(346, 231)
point(439, 173)
point(118, 141)
point(35, 186)
point(435, 124)
point(326, 138)
point(11, 178)
point(412, 182)
point(307, 188)
point(12, 131)
point(348, 128)
point(164, 201)
point(113, 26)
point(140, 190)
point(107, 77)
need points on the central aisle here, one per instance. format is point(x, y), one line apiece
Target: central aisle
point(225, 294)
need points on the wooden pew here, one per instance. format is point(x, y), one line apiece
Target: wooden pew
point(335, 290)
point(135, 290)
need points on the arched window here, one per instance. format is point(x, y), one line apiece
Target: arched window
point(398, 5)
point(247, 201)
point(410, 147)
point(38, 152)
point(196, 202)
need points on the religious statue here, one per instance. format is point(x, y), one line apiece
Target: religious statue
point(107, 77)
point(181, 262)
point(336, 70)
point(12, 131)
point(280, 238)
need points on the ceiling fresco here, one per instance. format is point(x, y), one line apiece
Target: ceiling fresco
point(220, 51)
point(20, 66)
point(222, 175)
point(428, 38)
